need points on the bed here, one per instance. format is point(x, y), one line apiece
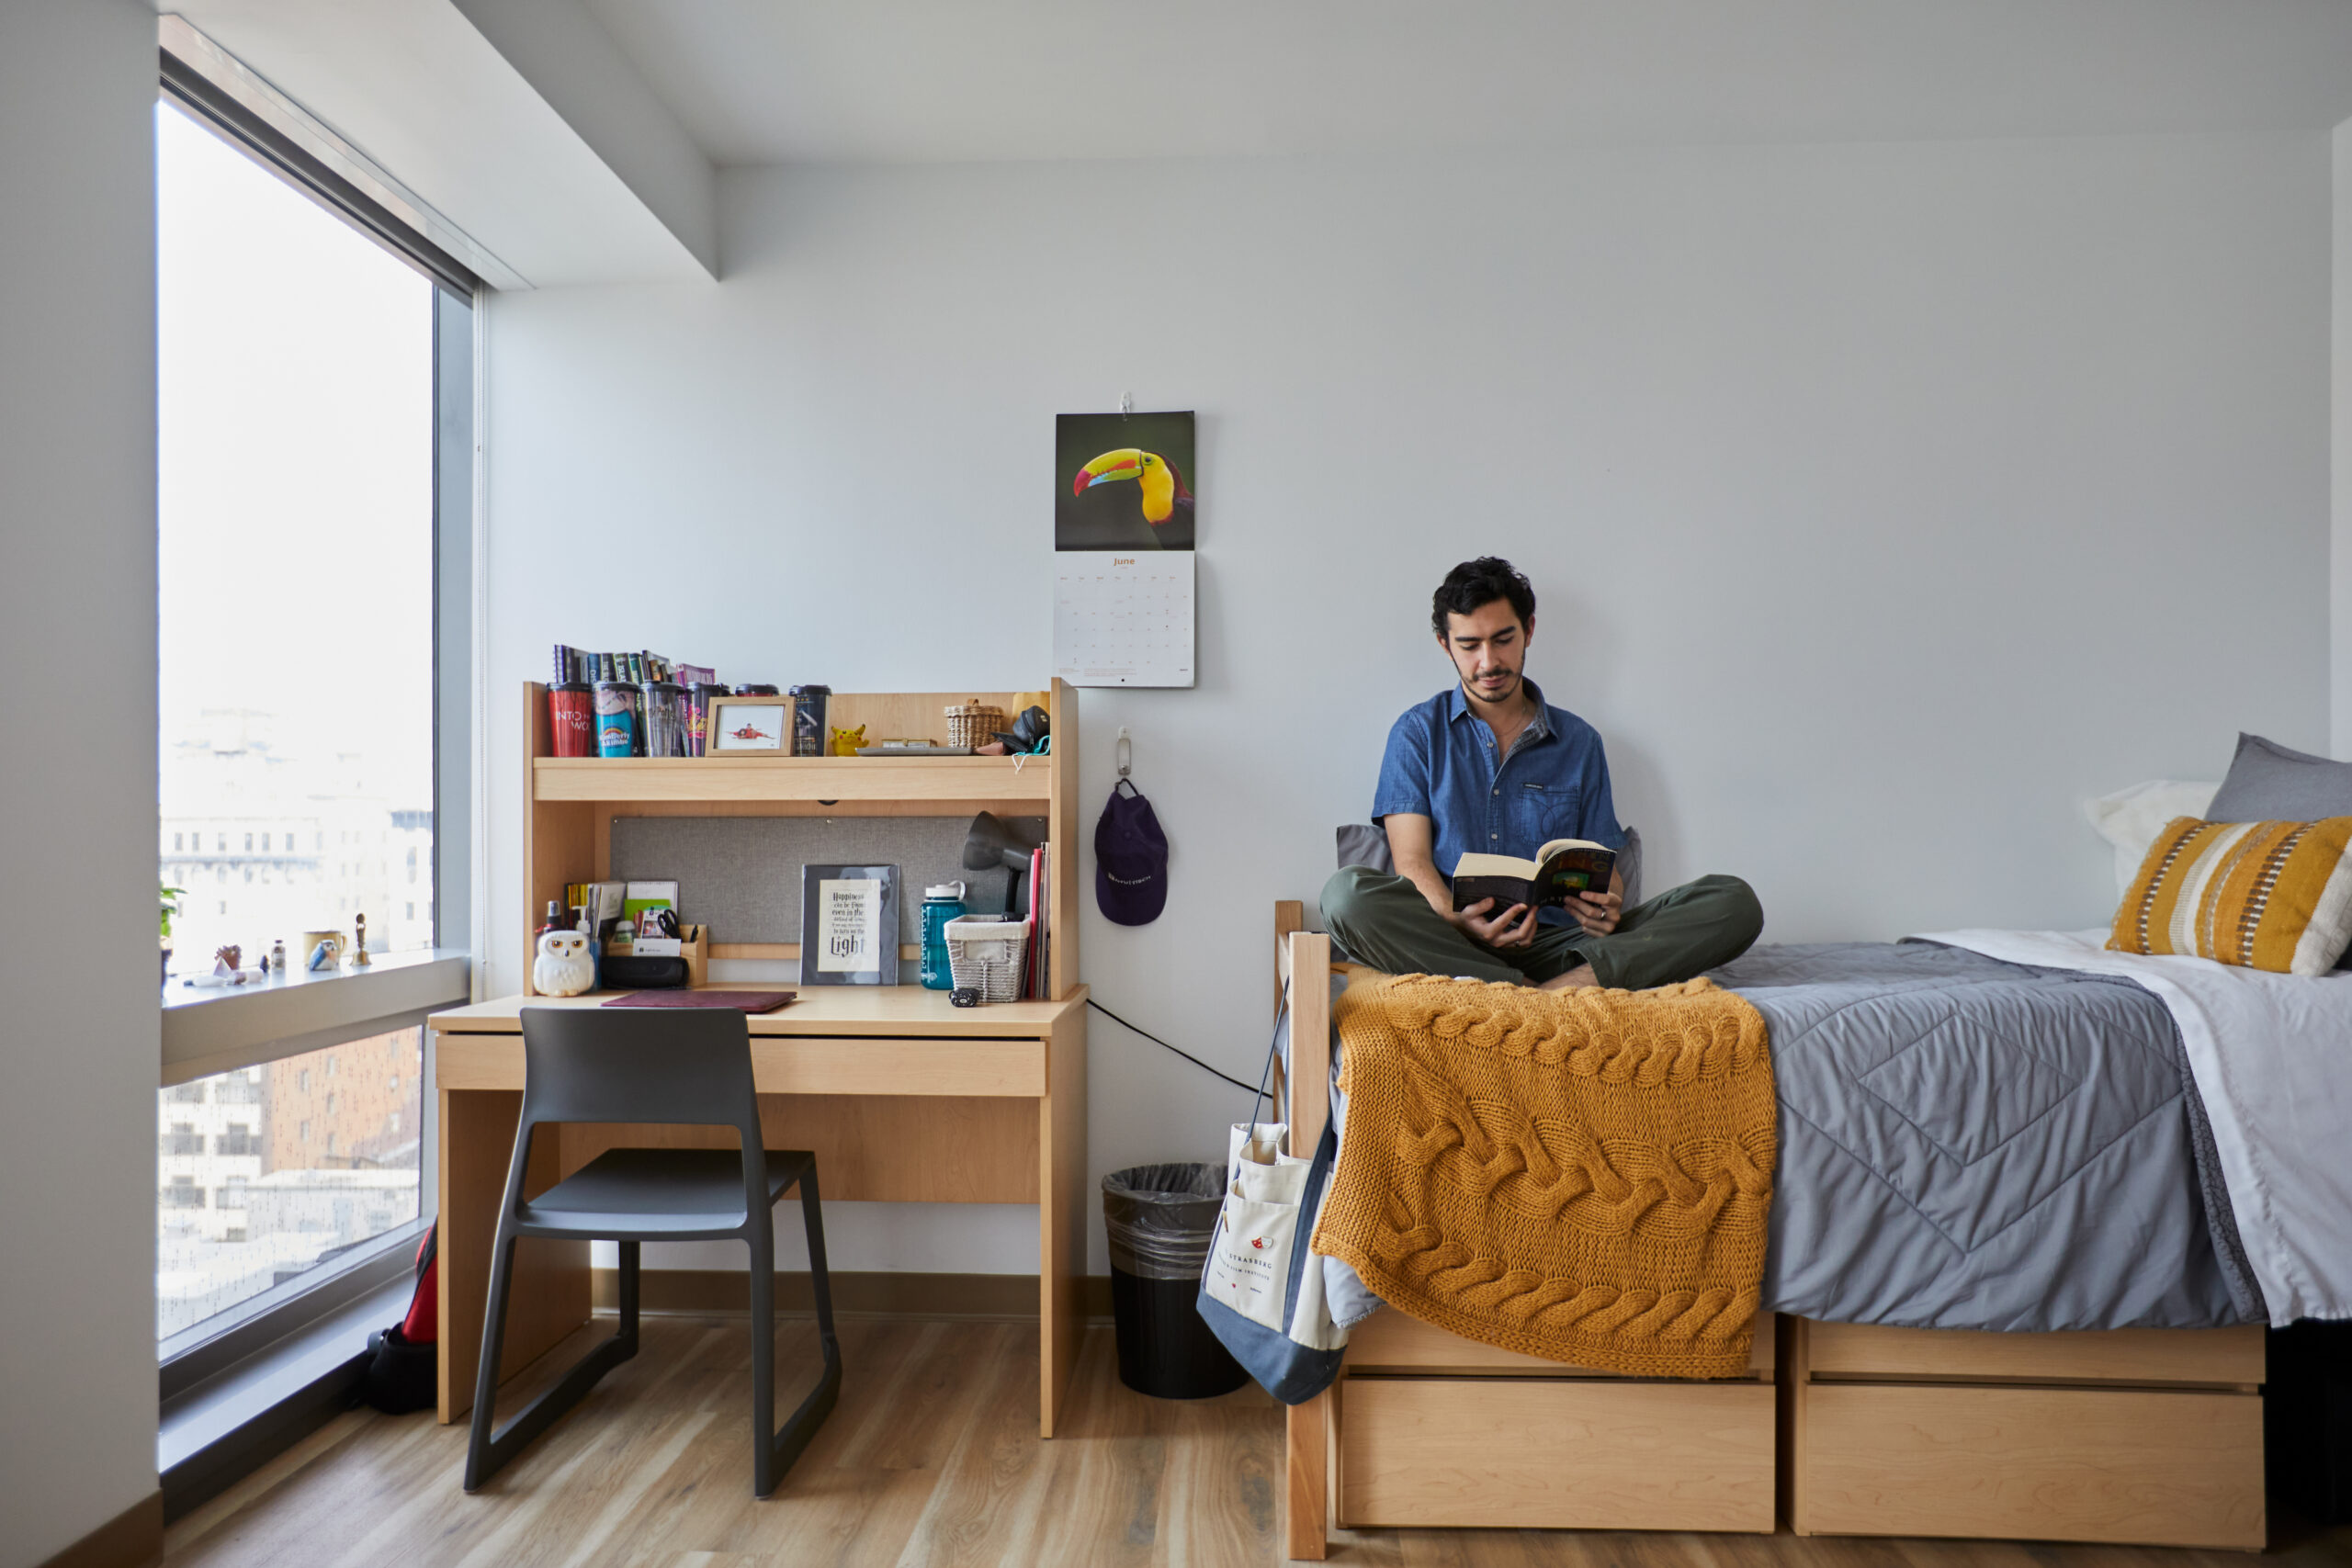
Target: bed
point(1956, 1235)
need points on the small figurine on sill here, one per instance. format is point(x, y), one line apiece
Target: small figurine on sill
point(228, 969)
point(359, 959)
point(847, 741)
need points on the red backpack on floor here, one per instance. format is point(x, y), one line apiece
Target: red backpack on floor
point(404, 1359)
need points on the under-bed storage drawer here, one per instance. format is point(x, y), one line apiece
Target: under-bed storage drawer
point(1391, 1342)
point(2181, 1469)
point(2145, 1357)
point(1555, 1453)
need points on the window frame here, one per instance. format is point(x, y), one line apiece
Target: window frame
point(215, 1031)
point(239, 123)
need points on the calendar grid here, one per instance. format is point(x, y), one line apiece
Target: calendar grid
point(1123, 618)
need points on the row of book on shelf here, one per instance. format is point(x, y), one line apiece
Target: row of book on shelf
point(577, 664)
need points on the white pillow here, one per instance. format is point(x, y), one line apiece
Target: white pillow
point(2130, 819)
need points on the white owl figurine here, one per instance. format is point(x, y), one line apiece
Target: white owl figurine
point(562, 969)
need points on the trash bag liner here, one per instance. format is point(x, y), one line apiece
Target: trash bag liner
point(1160, 1217)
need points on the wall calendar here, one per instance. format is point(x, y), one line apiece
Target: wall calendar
point(1124, 525)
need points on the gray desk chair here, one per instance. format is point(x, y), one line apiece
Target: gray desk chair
point(695, 1067)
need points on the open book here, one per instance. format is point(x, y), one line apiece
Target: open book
point(1561, 868)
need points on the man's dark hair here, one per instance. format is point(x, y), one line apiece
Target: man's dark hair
point(1480, 582)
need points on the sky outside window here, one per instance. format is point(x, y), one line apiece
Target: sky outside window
point(296, 518)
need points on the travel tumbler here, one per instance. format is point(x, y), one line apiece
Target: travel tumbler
point(571, 714)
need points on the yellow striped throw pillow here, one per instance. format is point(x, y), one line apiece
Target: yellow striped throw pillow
point(2273, 896)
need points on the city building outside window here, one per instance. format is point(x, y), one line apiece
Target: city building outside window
point(298, 1179)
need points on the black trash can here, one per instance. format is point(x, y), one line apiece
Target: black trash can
point(1160, 1218)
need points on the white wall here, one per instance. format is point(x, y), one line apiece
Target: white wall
point(79, 1049)
point(1884, 501)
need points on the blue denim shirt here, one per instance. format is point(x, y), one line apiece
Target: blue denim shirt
point(1440, 764)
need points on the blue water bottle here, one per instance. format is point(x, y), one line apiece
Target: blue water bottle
point(939, 905)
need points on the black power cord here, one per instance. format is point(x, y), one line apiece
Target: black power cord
point(1156, 1039)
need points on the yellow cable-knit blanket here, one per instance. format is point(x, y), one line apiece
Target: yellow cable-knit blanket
point(1579, 1175)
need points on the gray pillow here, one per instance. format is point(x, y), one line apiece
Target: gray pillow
point(1366, 844)
point(2269, 783)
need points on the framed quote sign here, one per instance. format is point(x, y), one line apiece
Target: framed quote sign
point(849, 925)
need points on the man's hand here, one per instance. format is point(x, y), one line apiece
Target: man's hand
point(1409, 838)
point(1598, 913)
point(1514, 926)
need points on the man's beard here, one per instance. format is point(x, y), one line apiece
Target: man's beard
point(1509, 689)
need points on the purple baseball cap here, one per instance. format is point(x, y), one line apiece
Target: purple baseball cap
point(1130, 859)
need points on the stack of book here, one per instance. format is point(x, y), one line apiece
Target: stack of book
point(1036, 981)
point(578, 664)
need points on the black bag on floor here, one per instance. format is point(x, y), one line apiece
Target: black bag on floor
point(404, 1360)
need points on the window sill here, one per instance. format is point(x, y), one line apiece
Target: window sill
point(208, 1031)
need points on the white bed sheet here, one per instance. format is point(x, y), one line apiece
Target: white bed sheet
point(2272, 1054)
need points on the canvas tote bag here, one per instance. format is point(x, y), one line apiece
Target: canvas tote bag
point(1262, 1291)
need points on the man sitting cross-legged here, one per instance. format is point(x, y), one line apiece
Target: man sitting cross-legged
point(1488, 766)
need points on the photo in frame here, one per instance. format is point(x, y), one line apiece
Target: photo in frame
point(741, 727)
point(849, 925)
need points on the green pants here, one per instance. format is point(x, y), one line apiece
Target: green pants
point(1383, 921)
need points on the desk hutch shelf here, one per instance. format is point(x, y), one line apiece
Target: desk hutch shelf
point(572, 801)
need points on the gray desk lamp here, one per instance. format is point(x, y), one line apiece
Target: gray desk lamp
point(991, 846)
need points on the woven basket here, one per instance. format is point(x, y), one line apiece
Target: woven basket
point(985, 952)
point(974, 722)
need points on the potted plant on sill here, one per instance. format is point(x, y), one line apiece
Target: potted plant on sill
point(171, 902)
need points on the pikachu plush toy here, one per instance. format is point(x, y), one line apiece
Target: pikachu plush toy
point(847, 741)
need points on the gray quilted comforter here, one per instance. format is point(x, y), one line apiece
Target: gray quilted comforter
point(1969, 1144)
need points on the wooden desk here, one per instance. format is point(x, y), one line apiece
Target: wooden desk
point(902, 1097)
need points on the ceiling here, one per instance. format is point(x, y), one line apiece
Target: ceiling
point(791, 81)
point(577, 140)
point(515, 121)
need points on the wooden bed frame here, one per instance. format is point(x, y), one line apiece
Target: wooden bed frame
point(2144, 1436)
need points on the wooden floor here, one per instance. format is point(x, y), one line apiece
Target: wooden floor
point(932, 1458)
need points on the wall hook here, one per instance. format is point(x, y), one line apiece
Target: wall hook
point(1127, 752)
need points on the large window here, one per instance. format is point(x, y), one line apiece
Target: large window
point(314, 423)
point(296, 386)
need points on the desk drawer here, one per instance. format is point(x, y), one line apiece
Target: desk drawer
point(2171, 1469)
point(803, 1064)
point(964, 1067)
point(1527, 1453)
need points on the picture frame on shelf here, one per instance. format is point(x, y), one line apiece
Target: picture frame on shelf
point(849, 925)
point(750, 727)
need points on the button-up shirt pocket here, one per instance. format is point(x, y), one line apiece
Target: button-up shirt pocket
point(1541, 812)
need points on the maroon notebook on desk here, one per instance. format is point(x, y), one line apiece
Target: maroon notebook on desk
point(741, 1001)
